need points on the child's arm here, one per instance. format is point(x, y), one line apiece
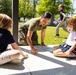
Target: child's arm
point(16, 47)
point(69, 29)
point(68, 53)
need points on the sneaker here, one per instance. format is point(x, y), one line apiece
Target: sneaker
point(16, 61)
point(56, 34)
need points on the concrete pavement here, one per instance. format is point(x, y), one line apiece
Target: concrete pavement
point(42, 64)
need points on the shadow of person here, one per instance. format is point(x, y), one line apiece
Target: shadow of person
point(13, 66)
point(39, 48)
point(43, 48)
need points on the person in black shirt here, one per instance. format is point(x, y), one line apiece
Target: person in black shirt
point(9, 50)
point(61, 20)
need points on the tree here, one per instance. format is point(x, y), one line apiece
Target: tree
point(52, 6)
point(5, 7)
point(25, 8)
point(35, 2)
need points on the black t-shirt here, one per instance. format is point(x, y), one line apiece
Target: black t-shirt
point(5, 39)
point(61, 16)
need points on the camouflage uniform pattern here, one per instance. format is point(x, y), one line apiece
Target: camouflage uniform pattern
point(22, 33)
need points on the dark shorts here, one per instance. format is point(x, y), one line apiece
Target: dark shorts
point(65, 47)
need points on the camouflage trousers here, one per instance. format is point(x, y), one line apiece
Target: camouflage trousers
point(22, 33)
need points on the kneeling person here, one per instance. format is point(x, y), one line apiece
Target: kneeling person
point(27, 32)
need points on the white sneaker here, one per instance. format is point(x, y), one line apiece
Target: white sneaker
point(16, 61)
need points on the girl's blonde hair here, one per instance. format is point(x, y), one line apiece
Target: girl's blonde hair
point(5, 21)
point(72, 22)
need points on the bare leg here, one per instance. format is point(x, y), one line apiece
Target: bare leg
point(8, 56)
point(15, 56)
point(68, 53)
point(59, 53)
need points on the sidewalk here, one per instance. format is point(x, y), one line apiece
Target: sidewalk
point(42, 64)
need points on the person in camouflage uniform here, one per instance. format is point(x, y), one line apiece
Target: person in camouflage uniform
point(27, 33)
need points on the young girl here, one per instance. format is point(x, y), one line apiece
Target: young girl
point(68, 49)
point(6, 40)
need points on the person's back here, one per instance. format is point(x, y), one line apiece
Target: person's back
point(32, 24)
point(4, 41)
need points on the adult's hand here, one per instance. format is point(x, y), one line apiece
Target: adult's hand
point(34, 51)
point(43, 44)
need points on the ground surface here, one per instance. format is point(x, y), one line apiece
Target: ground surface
point(42, 64)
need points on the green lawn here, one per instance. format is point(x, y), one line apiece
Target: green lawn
point(50, 38)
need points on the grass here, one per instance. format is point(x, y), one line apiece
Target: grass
point(50, 38)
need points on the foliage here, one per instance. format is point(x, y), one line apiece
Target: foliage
point(35, 3)
point(52, 6)
point(5, 7)
point(25, 8)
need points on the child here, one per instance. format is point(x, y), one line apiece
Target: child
point(61, 20)
point(68, 49)
point(6, 40)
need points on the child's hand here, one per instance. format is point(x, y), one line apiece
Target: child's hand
point(69, 54)
point(25, 56)
point(64, 41)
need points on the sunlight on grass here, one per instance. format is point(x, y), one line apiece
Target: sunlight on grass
point(50, 38)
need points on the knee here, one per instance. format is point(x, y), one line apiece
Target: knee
point(15, 55)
